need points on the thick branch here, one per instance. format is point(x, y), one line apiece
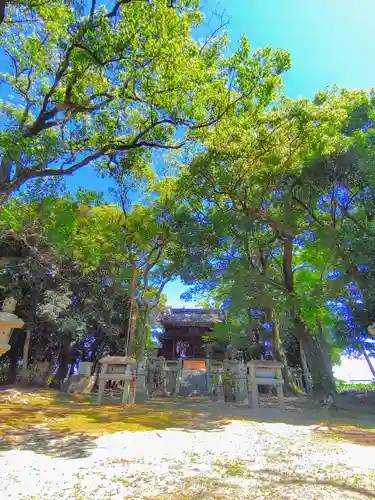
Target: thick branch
point(116, 7)
point(287, 264)
point(2, 10)
point(92, 10)
point(27, 175)
point(309, 211)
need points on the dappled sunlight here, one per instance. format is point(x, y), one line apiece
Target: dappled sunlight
point(346, 432)
point(268, 484)
point(185, 448)
point(52, 422)
point(41, 420)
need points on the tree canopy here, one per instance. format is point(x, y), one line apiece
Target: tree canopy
point(268, 212)
point(88, 84)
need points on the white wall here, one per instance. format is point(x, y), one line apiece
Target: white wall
point(353, 369)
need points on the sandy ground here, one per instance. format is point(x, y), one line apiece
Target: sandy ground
point(250, 455)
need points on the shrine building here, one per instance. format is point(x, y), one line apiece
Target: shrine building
point(184, 332)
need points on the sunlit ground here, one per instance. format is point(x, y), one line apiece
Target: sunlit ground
point(181, 449)
point(24, 412)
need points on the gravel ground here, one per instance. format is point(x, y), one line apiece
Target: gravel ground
point(241, 459)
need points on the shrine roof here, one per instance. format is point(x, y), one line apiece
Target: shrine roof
point(192, 317)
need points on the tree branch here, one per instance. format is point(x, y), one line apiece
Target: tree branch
point(309, 211)
point(116, 7)
point(2, 10)
point(27, 175)
point(92, 10)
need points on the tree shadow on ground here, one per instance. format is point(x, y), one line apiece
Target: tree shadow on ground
point(264, 483)
point(48, 442)
point(355, 426)
point(57, 424)
point(363, 437)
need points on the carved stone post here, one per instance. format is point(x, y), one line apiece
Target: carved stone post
point(239, 379)
point(178, 376)
point(209, 376)
point(141, 389)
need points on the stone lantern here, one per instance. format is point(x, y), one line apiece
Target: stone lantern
point(8, 321)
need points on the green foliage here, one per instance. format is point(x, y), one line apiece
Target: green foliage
point(343, 386)
point(102, 85)
point(268, 198)
point(268, 242)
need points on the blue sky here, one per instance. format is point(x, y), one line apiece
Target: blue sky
point(330, 42)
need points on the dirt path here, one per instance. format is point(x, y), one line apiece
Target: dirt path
point(246, 454)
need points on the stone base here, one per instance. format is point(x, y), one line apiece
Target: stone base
point(194, 394)
point(141, 395)
point(192, 380)
point(79, 384)
point(161, 393)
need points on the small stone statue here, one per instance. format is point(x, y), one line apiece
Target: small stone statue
point(8, 321)
point(9, 305)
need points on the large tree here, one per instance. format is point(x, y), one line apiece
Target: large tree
point(242, 175)
point(89, 83)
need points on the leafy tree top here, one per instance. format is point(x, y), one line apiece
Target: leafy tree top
point(88, 83)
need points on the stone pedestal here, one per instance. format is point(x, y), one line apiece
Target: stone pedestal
point(85, 368)
point(193, 378)
point(219, 392)
point(173, 376)
point(214, 379)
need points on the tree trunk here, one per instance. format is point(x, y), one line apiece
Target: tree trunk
point(319, 366)
point(97, 351)
point(14, 355)
point(143, 336)
point(132, 322)
point(317, 360)
point(65, 359)
point(279, 355)
point(367, 358)
point(12, 369)
point(2, 10)
point(60, 374)
point(305, 370)
point(25, 359)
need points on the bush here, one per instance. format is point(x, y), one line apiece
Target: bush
point(359, 386)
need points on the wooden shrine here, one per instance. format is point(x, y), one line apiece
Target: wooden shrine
point(184, 332)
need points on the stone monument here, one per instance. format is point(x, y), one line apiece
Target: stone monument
point(141, 393)
point(238, 371)
point(156, 376)
point(263, 372)
point(119, 369)
point(173, 370)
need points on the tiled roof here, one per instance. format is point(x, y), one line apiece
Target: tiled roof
point(192, 316)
